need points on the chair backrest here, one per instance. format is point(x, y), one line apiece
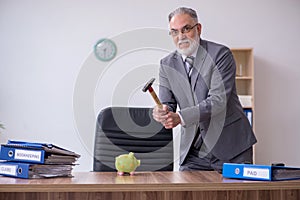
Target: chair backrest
point(121, 130)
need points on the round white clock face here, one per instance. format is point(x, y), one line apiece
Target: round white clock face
point(105, 49)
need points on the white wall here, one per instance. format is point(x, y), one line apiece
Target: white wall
point(46, 46)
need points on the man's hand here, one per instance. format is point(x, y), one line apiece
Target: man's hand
point(167, 118)
point(160, 113)
point(172, 120)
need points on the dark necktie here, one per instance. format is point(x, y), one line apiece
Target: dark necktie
point(189, 62)
point(198, 139)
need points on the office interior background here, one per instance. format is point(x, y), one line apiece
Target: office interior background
point(46, 46)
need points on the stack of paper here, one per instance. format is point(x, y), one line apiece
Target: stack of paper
point(36, 160)
point(246, 100)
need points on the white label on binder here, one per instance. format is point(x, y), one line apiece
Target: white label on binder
point(8, 169)
point(28, 155)
point(256, 173)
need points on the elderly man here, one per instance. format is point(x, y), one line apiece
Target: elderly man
point(199, 78)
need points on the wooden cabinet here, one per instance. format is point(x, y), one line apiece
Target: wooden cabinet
point(245, 80)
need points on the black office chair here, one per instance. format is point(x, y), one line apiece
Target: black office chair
point(121, 130)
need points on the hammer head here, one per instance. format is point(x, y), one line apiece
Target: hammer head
point(148, 85)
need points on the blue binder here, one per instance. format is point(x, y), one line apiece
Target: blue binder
point(19, 170)
point(28, 170)
point(260, 172)
point(248, 113)
point(20, 151)
point(22, 154)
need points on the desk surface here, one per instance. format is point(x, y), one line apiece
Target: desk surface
point(141, 181)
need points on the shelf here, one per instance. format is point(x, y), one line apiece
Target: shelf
point(244, 77)
point(247, 107)
point(244, 61)
point(244, 71)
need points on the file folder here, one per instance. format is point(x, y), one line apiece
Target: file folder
point(20, 151)
point(260, 172)
point(248, 113)
point(28, 170)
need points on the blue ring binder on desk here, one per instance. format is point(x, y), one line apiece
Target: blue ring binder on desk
point(260, 172)
point(20, 151)
point(36, 160)
point(28, 170)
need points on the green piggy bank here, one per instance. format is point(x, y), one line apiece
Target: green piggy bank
point(126, 163)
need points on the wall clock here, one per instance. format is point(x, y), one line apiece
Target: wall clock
point(105, 49)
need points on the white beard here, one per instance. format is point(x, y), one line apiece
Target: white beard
point(193, 45)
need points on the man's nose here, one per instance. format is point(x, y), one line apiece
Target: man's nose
point(181, 35)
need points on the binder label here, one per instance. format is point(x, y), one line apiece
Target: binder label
point(256, 173)
point(28, 155)
point(8, 170)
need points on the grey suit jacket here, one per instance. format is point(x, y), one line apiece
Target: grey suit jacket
point(209, 102)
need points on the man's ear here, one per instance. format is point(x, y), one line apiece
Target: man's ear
point(199, 28)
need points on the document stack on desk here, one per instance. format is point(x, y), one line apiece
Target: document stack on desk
point(36, 160)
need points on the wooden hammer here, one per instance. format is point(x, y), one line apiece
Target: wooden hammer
point(148, 87)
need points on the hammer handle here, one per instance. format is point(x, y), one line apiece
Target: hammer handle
point(157, 101)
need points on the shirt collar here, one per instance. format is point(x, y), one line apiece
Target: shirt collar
point(193, 54)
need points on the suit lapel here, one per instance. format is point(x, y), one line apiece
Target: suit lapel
point(185, 85)
point(198, 63)
point(179, 64)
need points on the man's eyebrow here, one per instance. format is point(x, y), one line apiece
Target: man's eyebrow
point(180, 28)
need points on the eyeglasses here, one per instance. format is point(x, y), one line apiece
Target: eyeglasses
point(185, 29)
